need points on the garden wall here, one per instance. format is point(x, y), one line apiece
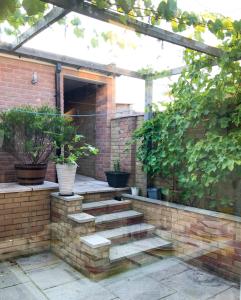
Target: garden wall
point(121, 131)
point(205, 238)
point(24, 219)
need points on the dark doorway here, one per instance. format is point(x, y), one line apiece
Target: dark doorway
point(80, 99)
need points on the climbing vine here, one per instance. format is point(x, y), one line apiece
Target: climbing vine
point(196, 141)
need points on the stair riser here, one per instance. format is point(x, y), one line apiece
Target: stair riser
point(119, 223)
point(107, 210)
point(131, 237)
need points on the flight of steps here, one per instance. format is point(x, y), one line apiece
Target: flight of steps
point(129, 240)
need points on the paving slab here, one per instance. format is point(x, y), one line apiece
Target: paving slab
point(139, 288)
point(117, 216)
point(230, 294)
point(82, 289)
point(37, 261)
point(81, 218)
point(95, 241)
point(196, 284)
point(133, 248)
point(11, 275)
point(25, 291)
point(54, 275)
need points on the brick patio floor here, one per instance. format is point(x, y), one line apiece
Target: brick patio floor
point(44, 276)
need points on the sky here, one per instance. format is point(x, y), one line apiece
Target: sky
point(139, 52)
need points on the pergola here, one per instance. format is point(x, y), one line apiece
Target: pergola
point(63, 7)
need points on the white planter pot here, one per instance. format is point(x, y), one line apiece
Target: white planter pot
point(66, 177)
point(135, 191)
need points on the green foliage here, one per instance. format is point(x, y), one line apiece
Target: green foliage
point(196, 141)
point(29, 132)
point(71, 146)
point(117, 166)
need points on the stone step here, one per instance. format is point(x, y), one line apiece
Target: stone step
point(118, 219)
point(107, 206)
point(126, 233)
point(129, 250)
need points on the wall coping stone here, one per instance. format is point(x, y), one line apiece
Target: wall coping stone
point(67, 198)
point(14, 187)
point(185, 208)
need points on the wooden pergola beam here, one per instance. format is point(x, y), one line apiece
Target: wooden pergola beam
point(53, 16)
point(88, 9)
point(67, 61)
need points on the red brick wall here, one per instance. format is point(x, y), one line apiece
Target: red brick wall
point(16, 89)
point(24, 223)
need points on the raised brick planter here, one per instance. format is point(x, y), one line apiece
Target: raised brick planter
point(24, 219)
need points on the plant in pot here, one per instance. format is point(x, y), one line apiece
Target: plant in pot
point(29, 137)
point(117, 178)
point(72, 149)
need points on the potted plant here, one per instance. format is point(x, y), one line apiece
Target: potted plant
point(29, 136)
point(117, 178)
point(72, 149)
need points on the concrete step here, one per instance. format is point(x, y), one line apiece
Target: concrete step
point(129, 250)
point(118, 219)
point(107, 206)
point(126, 233)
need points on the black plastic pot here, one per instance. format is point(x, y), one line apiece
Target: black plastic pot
point(154, 193)
point(117, 179)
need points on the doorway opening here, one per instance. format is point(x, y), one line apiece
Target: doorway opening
point(80, 99)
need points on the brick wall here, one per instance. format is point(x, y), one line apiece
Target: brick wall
point(122, 129)
point(24, 222)
point(208, 239)
point(16, 89)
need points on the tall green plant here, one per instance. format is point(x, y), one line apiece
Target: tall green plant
point(196, 141)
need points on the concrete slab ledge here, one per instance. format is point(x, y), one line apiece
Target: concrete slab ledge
point(67, 198)
point(185, 208)
point(97, 191)
point(14, 187)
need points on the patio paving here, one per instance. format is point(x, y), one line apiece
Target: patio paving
point(44, 276)
point(84, 185)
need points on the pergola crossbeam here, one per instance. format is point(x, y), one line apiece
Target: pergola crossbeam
point(92, 11)
point(53, 16)
point(67, 61)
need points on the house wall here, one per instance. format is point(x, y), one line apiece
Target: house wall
point(16, 89)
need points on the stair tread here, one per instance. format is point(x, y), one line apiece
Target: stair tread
point(125, 230)
point(117, 216)
point(105, 203)
point(133, 248)
point(81, 217)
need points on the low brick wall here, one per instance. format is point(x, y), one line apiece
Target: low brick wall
point(205, 238)
point(24, 219)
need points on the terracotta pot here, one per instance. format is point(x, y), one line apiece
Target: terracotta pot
point(66, 177)
point(30, 174)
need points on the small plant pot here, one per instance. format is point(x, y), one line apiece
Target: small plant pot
point(30, 174)
point(117, 179)
point(135, 191)
point(66, 177)
point(154, 193)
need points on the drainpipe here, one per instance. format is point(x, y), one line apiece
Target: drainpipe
point(57, 86)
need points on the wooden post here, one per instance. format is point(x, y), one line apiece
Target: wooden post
point(148, 99)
